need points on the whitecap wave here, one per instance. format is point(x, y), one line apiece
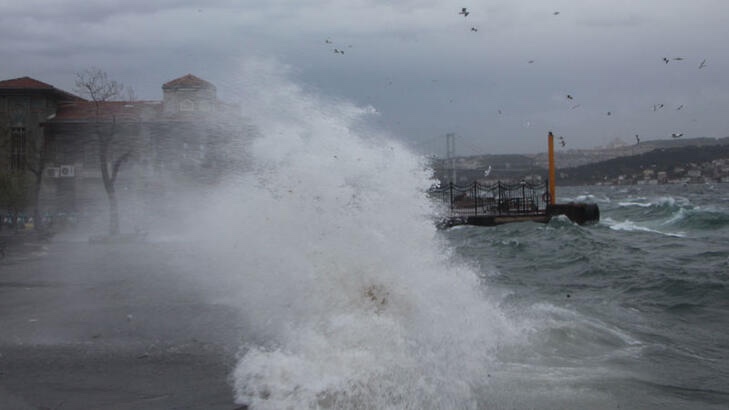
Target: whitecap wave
point(663, 201)
point(351, 300)
point(630, 226)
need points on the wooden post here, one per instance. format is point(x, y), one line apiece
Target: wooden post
point(551, 169)
point(475, 197)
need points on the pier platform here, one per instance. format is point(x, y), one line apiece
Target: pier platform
point(500, 203)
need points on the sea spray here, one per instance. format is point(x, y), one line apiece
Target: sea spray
point(328, 248)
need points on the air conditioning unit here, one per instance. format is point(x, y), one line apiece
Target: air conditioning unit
point(53, 172)
point(67, 171)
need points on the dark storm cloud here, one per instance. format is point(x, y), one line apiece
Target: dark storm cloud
point(417, 62)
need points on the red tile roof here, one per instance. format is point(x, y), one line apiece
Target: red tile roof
point(187, 80)
point(27, 83)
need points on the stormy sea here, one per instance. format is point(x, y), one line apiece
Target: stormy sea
point(631, 312)
point(321, 267)
point(357, 301)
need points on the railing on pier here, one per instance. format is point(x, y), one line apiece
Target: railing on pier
point(521, 198)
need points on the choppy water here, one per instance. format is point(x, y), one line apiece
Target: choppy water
point(634, 309)
point(353, 299)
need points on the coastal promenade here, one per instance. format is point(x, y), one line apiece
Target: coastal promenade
point(110, 327)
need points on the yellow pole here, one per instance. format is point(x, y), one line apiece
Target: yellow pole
point(551, 168)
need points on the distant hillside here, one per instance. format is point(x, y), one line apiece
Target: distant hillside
point(587, 166)
point(659, 160)
point(574, 158)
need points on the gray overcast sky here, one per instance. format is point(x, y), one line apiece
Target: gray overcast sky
point(417, 62)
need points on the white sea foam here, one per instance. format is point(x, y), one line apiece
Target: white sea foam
point(631, 203)
point(677, 216)
point(585, 198)
point(631, 226)
point(327, 247)
point(666, 201)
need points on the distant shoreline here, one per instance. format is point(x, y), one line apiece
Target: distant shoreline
point(690, 161)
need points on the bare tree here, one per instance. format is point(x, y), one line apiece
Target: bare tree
point(35, 161)
point(95, 84)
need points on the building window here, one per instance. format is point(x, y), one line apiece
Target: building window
point(187, 105)
point(17, 148)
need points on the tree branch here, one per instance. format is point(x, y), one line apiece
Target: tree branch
point(95, 83)
point(118, 163)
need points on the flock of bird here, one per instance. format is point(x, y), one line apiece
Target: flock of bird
point(656, 107)
point(465, 13)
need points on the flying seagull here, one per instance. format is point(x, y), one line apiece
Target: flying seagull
point(677, 134)
point(569, 97)
point(703, 64)
point(679, 107)
point(465, 12)
point(531, 61)
point(556, 13)
point(487, 172)
point(474, 29)
point(637, 139)
point(574, 106)
point(609, 113)
point(338, 51)
point(678, 58)
point(666, 60)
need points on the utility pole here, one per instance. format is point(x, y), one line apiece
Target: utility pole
point(550, 147)
point(451, 154)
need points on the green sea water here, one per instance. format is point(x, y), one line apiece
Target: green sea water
point(631, 312)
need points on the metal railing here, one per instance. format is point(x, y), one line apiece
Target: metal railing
point(521, 198)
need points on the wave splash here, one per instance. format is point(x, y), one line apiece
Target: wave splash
point(327, 247)
point(667, 212)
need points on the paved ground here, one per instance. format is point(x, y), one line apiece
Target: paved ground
point(86, 326)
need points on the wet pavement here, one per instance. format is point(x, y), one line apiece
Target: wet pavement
point(86, 326)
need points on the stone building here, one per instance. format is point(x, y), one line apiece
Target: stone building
point(25, 104)
point(164, 145)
